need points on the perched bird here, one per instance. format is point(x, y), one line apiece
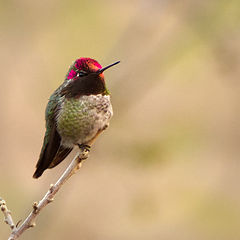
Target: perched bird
point(77, 112)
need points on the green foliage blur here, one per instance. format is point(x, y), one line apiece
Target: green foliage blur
point(168, 165)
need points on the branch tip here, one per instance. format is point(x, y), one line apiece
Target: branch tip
point(52, 187)
point(3, 208)
point(29, 222)
point(31, 225)
point(35, 207)
point(7, 215)
point(18, 222)
point(50, 200)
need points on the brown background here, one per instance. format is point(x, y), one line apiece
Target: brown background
point(168, 166)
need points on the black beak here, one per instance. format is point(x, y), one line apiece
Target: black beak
point(105, 68)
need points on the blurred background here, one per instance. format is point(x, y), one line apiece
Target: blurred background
point(168, 165)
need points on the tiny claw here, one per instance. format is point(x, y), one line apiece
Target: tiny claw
point(84, 147)
point(105, 127)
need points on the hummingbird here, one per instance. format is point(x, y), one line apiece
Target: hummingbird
point(76, 113)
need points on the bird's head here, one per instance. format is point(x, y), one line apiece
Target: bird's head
point(85, 77)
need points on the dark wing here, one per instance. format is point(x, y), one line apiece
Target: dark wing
point(60, 156)
point(52, 153)
point(49, 150)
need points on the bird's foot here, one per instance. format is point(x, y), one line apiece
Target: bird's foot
point(105, 126)
point(84, 147)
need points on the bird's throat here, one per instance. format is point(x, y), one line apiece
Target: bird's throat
point(88, 85)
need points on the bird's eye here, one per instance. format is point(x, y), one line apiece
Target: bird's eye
point(81, 73)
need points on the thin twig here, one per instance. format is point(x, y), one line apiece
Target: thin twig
point(48, 198)
point(7, 214)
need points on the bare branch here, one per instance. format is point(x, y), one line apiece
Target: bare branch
point(7, 215)
point(48, 198)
